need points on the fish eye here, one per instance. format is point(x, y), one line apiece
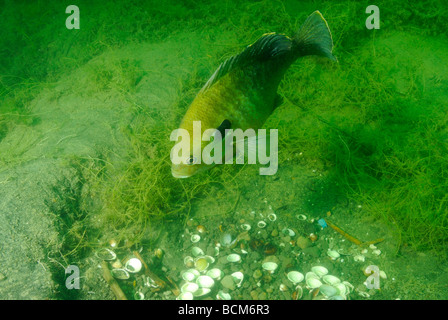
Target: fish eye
point(191, 161)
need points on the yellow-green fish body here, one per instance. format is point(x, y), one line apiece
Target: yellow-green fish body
point(243, 90)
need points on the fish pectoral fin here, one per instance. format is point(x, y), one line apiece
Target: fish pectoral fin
point(255, 144)
point(223, 126)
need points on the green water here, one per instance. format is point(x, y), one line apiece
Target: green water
point(85, 120)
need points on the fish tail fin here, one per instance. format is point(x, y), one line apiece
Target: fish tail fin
point(314, 38)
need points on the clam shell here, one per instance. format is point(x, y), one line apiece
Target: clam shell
point(269, 266)
point(185, 296)
point(223, 296)
point(233, 257)
point(246, 227)
point(133, 265)
point(272, 217)
point(215, 273)
point(295, 276)
point(238, 277)
point(313, 283)
point(311, 275)
point(288, 232)
point(298, 293)
point(189, 287)
point(328, 291)
point(189, 261)
point(331, 280)
point(201, 292)
point(349, 286)
point(201, 264)
point(342, 289)
point(333, 254)
point(139, 296)
point(195, 238)
point(188, 276)
point(320, 271)
point(205, 282)
point(121, 274)
point(196, 251)
point(106, 254)
point(261, 224)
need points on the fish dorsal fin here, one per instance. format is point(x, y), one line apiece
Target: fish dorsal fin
point(269, 46)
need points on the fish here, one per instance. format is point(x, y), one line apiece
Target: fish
point(242, 92)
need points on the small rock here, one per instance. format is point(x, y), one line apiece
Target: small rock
point(312, 251)
point(257, 274)
point(274, 233)
point(254, 294)
point(227, 282)
point(262, 296)
point(303, 242)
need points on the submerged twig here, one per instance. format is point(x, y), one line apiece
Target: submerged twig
point(113, 284)
point(350, 237)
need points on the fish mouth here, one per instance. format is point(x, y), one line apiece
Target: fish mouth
point(180, 176)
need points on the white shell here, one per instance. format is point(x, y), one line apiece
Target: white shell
point(194, 271)
point(215, 273)
point(189, 287)
point(188, 276)
point(210, 259)
point(372, 246)
point(313, 283)
point(288, 232)
point(333, 254)
point(205, 281)
point(272, 217)
point(261, 224)
point(295, 276)
point(195, 238)
point(246, 227)
point(133, 265)
point(121, 274)
point(185, 296)
point(188, 261)
point(201, 267)
point(359, 258)
point(342, 289)
point(376, 252)
point(311, 275)
point(223, 296)
point(383, 275)
point(301, 217)
point(299, 290)
point(139, 296)
point(201, 292)
point(283, 287)
point(328, 291)
point(320, 271)
point(196, 251)
point(331, 280)
point(349, 286)
point(238, 278)
point(106, 254)
point(233, 257)
point(269, 266)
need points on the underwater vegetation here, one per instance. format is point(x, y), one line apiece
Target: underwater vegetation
point(376, 122)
